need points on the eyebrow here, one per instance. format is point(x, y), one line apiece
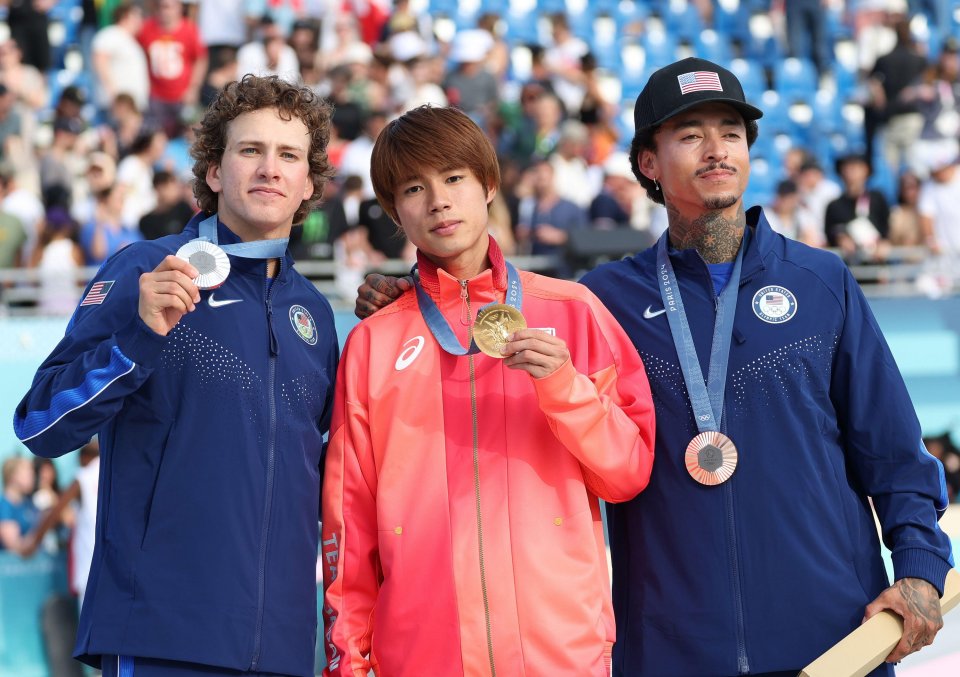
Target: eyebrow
point(261, 144)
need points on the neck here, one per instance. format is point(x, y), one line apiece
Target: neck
point(715, 234)
point(13, 494)
point(461, 268)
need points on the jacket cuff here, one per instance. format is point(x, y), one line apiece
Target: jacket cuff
point(140, 343)
point(556, 387)
point(920, 563)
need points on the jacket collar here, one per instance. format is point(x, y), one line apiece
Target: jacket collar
point(431, 276)
point(227, 236)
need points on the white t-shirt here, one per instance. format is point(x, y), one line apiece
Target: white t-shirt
point(128, 65)
point(140, 197)
point(222, 22)
point(939, 202)
point(27, 207)
point(84, 532)
point(252, 58)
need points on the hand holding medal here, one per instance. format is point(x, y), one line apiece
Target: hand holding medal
point(167, 294)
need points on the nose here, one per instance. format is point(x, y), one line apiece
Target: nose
point(714, 148)
point(268, 167)
point(439, 199)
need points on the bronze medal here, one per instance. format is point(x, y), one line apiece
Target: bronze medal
point(495, 323)
point(711, 458)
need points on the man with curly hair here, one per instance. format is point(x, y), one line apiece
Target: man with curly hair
point(205, 362)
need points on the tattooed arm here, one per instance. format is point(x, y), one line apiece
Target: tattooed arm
point(378, 291)
point(918, 603)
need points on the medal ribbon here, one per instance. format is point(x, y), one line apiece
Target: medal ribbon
point(438, 324)
point(258, 249)
point(706, 398)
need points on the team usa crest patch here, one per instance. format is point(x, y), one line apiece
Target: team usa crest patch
point(97, 294)
point(774, 304)
point(303, 324)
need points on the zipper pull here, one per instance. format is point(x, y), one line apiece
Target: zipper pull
point(465, 305)
point(274, 344)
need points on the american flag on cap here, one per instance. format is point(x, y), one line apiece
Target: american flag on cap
point(98, 292)
point(699, 81)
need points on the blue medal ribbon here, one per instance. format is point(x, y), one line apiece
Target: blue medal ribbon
point(438, 324)
point(706, 397)
point(258, 249)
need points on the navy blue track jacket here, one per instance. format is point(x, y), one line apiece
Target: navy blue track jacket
point(211, 445)
point(770, 569)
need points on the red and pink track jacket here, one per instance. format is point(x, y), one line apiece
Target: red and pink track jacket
point(442, 561)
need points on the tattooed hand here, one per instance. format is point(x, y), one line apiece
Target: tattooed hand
point(378, 291)
point(918, 603)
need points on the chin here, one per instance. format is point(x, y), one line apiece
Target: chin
point(715, 202)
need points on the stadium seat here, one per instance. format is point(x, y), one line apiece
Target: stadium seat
point(795, 78)
point(660, 48)
point(752, 77)
point(682, 21)
point(711, 45)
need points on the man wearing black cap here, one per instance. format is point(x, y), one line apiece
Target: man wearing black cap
point(753, 550)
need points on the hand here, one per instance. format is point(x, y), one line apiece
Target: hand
point(167, 294)
point(379, 291)
point(918, 603)
point(535, 352)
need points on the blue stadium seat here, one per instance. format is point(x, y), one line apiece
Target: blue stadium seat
point(660, 48)
point(713, 46)
point(795, 78)
point(752, 77)
point(681, 21)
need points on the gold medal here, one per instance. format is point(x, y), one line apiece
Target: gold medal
point(494, 325)
point(711, 458)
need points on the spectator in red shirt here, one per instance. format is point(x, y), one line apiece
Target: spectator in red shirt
point(177, 60)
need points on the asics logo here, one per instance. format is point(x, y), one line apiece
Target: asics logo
point(650, 313)
point(213, 303)
point(412, 348)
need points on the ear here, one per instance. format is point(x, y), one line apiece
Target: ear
point(491, 193)
point(213, 178)
point(307, 188)
point(648, 164)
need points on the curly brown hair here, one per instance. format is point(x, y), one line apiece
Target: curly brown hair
point(254, 93)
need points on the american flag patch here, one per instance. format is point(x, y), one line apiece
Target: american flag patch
point(699, 81)
point(774, 299)
point(98, 292)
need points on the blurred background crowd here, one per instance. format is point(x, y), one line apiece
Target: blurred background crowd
point(857, 151)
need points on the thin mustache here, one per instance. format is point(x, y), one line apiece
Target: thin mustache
point(714, 166)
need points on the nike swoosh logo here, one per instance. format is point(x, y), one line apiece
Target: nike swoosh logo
point(213, 303)
point(649, 313)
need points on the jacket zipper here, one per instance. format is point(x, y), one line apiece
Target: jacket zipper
point(271, 469)
point(476, 479)
point(743, 663)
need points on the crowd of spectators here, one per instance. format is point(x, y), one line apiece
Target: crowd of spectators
point(97, 100)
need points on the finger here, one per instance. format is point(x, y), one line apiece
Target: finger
point(171, 262)
point(386, 285)
point(171, 276)
point(364, 309)
point(376, 299)
point(536, 344)
point(405, 283)
point(171, 295)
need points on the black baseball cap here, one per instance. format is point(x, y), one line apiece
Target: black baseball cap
point(687, 83)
